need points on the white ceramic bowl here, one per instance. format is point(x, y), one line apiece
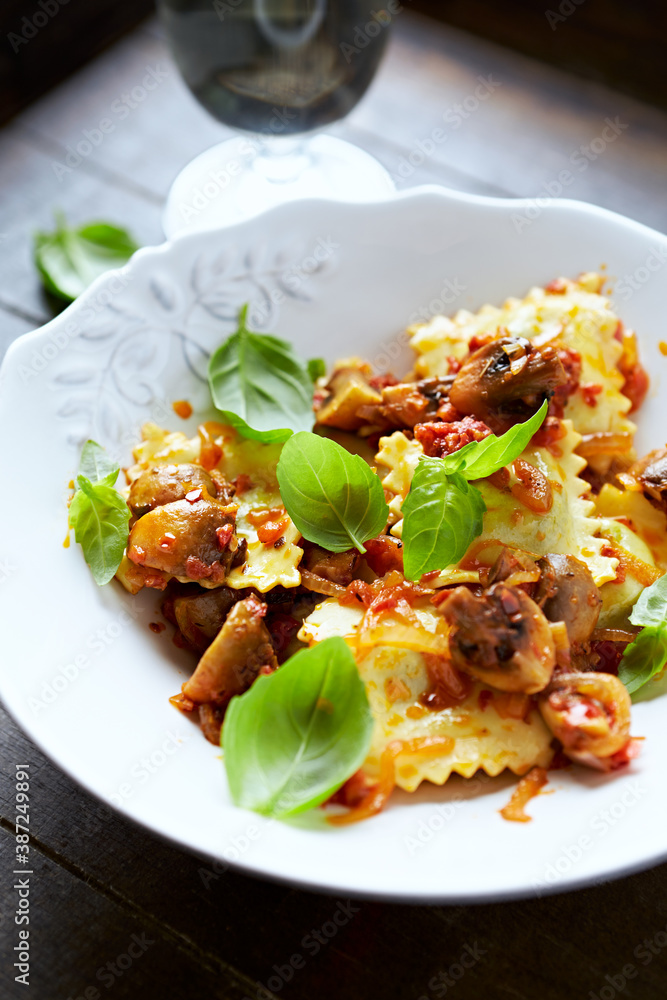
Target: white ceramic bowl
point(88, 680)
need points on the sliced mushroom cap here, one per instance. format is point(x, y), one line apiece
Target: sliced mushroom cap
point(589, 713)
point(338, 567)
point(166, 483)
point(201, 616)
point(567, 593)
point(233, 660)
point(504, 372)
point(406, 404)
point(651, 474)
point(192, 539)
point(500, 637)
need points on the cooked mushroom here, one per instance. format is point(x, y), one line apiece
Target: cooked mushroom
point(408, 403)
point(338, 567)
point(191, 538)
point(512, 567)
point(233, 660)
point(165, 483)
point(567, 593)
point(201, 616)
point(589, 713)
point(651, 474)
point(500, 637)
point(348, 391)
point(503, 373)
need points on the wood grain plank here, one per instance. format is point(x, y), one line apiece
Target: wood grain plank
point(81, 939)
point(516, 140)
point(11, 327)
point(32, 191)
point(525, 131)
point(550, 947)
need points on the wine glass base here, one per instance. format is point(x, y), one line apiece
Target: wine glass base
point(242, 177)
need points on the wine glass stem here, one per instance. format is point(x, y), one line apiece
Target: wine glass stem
point(282, 160)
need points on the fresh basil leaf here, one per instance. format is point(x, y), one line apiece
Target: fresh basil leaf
point(298, 734)
point(316, 368)
point(480, 459)
point(260, 386)
point(100, 518)
point(69, 260)
point(644, 658)
point(333, 497)
point(651, 606)
point(443, 515)
point(97, 466)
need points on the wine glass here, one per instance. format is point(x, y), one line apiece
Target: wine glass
point(274, 69)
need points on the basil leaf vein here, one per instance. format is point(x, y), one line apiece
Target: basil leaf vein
point(298, 734)
point(260, 386)
point(99, 514)
point(480, 459)
point(443, 515)
point(96, 465)
point(332, 496)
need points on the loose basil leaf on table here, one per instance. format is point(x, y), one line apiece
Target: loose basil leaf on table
point(644, 658)
point(70, 259)
point(99, 514)
point(332, 496)
point(260, 386)
point(299, 733)
point(442, 517)
point(443, 513)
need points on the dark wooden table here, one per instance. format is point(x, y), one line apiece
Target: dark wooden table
point(115, 910)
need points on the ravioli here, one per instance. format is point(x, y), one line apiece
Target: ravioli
point(265, 566)
point(578, 318)
point(483, 739)
point(569, 527)
point(395, 675)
